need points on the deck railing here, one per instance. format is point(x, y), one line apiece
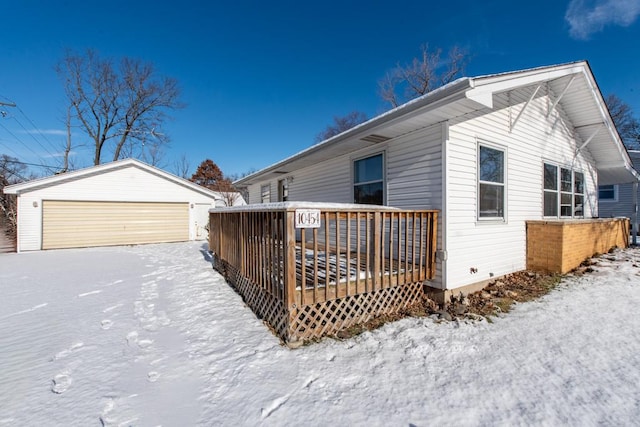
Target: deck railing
point(349, 251)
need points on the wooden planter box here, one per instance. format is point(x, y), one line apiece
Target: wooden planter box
point(559, 246)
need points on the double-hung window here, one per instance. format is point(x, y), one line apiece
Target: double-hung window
point(368, 180)
point(563, 192)
point(578, 194)
point(550, 190)
point(491, 182)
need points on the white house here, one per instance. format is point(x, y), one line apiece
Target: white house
point(123, 202)
point(489, 152)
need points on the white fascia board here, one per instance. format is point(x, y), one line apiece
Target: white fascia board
point(481, 96)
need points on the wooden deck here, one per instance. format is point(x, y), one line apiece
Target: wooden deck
point(358, 263)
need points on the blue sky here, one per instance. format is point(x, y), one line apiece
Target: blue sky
point(261, 79)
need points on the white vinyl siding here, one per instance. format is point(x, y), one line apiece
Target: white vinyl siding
point(413, 174)
point(413, 177)
point(479, 250)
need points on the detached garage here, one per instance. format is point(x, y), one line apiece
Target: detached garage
point(120, 203)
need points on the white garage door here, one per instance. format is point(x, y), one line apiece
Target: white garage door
point(70, 224)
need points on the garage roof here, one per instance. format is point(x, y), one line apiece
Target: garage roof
point(572, 84)
point(40, 183)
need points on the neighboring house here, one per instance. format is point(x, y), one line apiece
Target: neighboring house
point(118, 203)
point(488, 152)
point(617, 199)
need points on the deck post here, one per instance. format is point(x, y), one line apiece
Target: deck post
point(290, 260)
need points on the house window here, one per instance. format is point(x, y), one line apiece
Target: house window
point(265, 193)
point(563, 192)
point(491, 188)
point(550, 190)
point(368, 180)
point(566, 199)
point(607, 193)
point(578, 194)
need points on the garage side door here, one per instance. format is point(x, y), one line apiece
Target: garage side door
point(70, 224)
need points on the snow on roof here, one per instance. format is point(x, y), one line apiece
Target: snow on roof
point(104, 168)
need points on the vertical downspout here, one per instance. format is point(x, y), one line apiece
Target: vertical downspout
point(444, 213)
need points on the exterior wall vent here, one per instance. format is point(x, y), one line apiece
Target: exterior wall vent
point(376, 139)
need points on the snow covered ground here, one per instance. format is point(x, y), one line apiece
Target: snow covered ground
point(151, 335)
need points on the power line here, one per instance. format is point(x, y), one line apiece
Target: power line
point(29, 164)
point(37, 129)
point(9, 148)
point(20, 141)
point(46, 150)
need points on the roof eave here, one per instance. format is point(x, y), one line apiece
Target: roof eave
point(453, 89)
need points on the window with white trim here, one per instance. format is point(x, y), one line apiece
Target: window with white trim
point(368, 180)
point(265, 193)
point(578, 194)
point(607, 193)
point(491, 183)
point(550, 190)
point(563, 192)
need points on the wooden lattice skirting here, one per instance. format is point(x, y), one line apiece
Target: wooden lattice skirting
point(322, 318)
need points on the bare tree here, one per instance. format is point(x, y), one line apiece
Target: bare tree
point(153, 153)
point(182, 166)
point(626, 123)
point(117, 107)
point(236, 176)
point(230, 195)
point(341, 124)
point(12, 171)
point(422, 75)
